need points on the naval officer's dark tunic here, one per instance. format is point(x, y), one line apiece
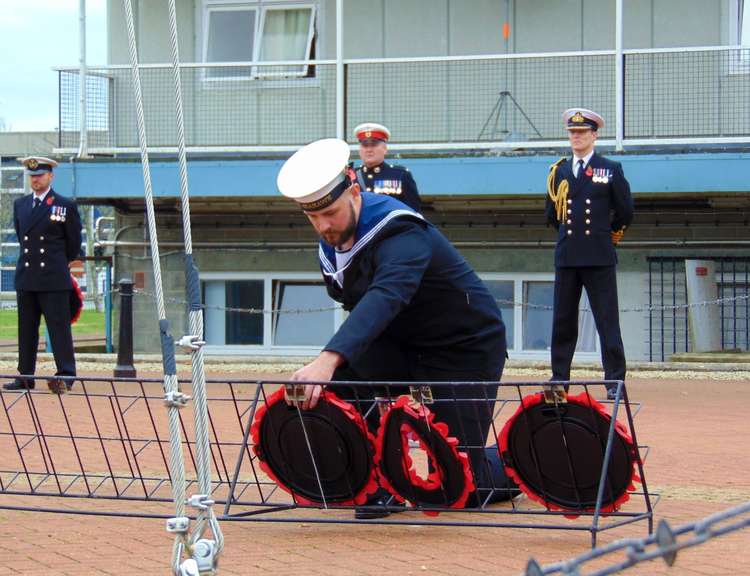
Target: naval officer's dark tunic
point(599, 202)
point(392, 180)
point(49, 237)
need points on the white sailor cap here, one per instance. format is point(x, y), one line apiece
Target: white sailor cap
point(36, 165)
point(582, 119)
point(372, 131)
point(316, 174)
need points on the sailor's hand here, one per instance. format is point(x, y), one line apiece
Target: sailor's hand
point(319, 370)
point(617, 236)
point(305, 396)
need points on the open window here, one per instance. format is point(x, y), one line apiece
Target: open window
point(257, 32)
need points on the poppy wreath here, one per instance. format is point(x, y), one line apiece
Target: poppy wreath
point(449, 482)
point(76, 301)
point(343, 450)
point(538, 456)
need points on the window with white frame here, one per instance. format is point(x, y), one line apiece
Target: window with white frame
point(258, 31)
point(292, 311)
point(537, 315)
point(267, 311)
point(227, 316)
point(526, 305)
point(504, 294)
point(302, 314)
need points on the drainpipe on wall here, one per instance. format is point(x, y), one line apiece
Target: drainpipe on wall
point(620, 79)
point(340, 69)
point(83, 145)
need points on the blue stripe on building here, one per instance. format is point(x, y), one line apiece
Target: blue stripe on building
point(475, 176)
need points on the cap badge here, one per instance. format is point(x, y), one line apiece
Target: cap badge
point(368, 134)
point(577, 118)
point(32, 164)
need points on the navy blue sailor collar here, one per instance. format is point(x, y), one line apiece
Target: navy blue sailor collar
point(377, 211)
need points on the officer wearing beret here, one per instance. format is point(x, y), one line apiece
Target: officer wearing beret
point(590, 205)
point(417, 311)
point(376, 175)
point(49, 233)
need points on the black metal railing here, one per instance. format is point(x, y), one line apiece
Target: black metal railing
point(668, 316)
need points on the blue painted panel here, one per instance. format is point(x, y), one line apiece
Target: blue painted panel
point(480, 176)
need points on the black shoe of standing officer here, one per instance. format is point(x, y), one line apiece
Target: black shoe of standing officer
point(19, 384)
point(378, 507)
point(59, 386)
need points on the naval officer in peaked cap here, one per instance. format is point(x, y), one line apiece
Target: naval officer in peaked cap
point(417, 311)
point(590, 204)
point(49, 233)
point(381, 177)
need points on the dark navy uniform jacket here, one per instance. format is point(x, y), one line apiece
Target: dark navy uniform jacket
point(390, 179)
point(49, 238)
point(406, 282)
point(599, 202)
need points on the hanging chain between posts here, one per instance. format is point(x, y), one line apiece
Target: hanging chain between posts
point(650, 308)
point(663, 544)
point(501, 301)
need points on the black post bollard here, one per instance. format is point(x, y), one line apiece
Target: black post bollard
point(125, 368)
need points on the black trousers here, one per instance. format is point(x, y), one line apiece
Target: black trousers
point(601, 287)
point(55, 306)
point(468, 420)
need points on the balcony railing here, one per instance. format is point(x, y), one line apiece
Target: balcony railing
point(668, 96)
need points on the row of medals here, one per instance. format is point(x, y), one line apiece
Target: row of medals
point(390, 187)
point(58, 213)
point(601, 176)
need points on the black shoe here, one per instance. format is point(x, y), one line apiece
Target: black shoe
point(19, 385)
point(612, 393)
point(379, 508)
point(59, 386)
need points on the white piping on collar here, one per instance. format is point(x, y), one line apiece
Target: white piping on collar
point(328, 268)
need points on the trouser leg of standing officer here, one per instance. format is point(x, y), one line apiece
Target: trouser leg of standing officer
point(565, 321)
point(56, 309)
point(601, 287)
point(29, 315)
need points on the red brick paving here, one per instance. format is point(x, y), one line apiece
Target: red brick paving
point(699, 462)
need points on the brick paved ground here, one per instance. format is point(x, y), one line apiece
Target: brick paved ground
point(699, 462)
